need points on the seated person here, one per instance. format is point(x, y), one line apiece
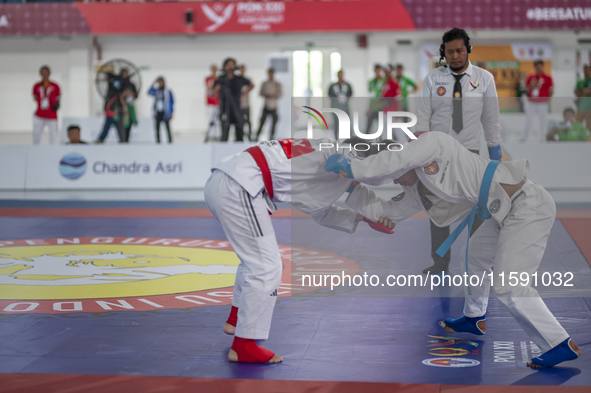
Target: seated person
point(569, 130)
point(74, 135)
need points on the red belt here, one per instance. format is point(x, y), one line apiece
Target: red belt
point(261, 161)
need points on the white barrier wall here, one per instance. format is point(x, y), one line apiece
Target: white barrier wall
point(557, 166)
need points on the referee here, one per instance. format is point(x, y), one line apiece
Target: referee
point(461, 100)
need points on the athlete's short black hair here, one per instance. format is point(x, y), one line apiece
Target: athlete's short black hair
point(73, 127)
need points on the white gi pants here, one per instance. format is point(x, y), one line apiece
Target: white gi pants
point(248, 227)
point(38, 127)
point(516, 247)
point(538, 112)
point(214, 125)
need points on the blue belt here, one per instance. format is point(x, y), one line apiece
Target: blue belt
point(480, 208)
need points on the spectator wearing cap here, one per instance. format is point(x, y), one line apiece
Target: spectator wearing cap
point(47, 95)
point(540, 88)
point(74, 135)
point(583, 92)
point(271, 90)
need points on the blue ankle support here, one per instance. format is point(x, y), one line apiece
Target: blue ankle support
point(560, 353)
point(465, 324)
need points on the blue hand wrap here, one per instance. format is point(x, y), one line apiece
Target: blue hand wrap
point(338, 162)
point(495, 153)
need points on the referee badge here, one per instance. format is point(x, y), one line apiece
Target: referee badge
point(457, 94)
point(441, 91)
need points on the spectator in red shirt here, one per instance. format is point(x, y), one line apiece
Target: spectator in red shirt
point(540, 88)
point(47, 95)
point(212, 108)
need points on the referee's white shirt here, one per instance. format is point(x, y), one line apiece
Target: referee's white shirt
point(480, 106)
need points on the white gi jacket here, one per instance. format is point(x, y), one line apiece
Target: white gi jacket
point(299, 178)
point(446, 168)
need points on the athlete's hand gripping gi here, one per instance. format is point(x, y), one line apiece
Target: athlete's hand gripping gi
point(514, 239)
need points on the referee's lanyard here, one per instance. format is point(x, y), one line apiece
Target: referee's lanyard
point(480, 208)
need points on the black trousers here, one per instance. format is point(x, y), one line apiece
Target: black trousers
point(438, 236)
point(160, 119)
point(274, 117)
point(238, 126)
point(246, 121)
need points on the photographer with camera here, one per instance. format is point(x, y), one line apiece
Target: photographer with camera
point(230, 87)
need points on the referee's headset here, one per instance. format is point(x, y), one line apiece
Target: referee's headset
point(442, 51)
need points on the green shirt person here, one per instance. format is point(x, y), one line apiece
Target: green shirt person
point(406, 84)
point(570, 130)
point(374, 87)
point(583, 92)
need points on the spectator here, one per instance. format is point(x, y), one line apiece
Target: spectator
point(114, 115)
point(391, 94)
point(115, 105)
point(539, 90)
point(340, 92)
point(245, 101)
point(163, 106)
point(406, 84)
point(271, 91)
point(212, 108)
point(583, 92)
point(129, 96)
point(570, 130)
point(374, 87)
point(47, 95)
point(230, 87)
point(442, 108)
point(130, 118)
point(74, 135)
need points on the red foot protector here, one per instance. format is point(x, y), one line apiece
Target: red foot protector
point(233, 318)
point(379, 227)
point(249, 352)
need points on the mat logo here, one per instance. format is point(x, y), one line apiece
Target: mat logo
point(448, 352)
point(109, 274)
point(72, 166)
point(344, 121)
point(218, 20)
point(451, 362)
point(444, 340)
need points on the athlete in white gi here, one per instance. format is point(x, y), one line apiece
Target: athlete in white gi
point(240, 193)
point(443, 178)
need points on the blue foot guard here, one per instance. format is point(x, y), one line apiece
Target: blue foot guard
point(560, 353)
point(463, 325)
